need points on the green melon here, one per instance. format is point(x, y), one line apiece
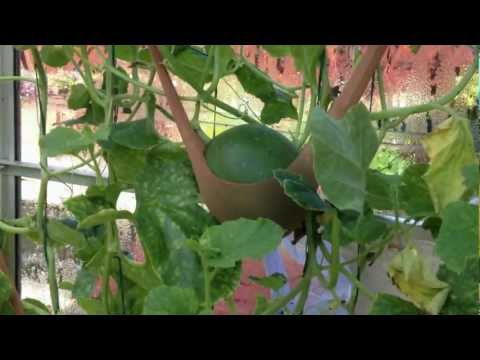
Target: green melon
point(249, 153)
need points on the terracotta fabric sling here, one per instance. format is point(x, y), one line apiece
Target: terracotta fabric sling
point(228, 200)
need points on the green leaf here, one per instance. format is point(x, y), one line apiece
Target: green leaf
point(62, 234)
point(225, 282)
point(413, 277)
point(369, 229)
point(144, 275)
point(343, 151)
point(126, 163)
point(79, 97)
point(432, 224)
point(92, 306)
point(84, 284)
point(464, 294)
point(381, 190)
point(239, 239)
point(386, 304)
point(278, 105)
point(167, 202)
point(105, 193)
point(62, 140)
point(414, 193)
point(165, 300)
point(471, 173)
point(458, 237)
point(278, 50)
point(35, 307)
point(95, 115)
point(226, 58)
point(276, 110)
point(119, 85)
point(189, 64)
point(307, 59)
point(56, 55)
point(450, 148)
point(104, 216)
point(275, 281)
point(134, 135)
point(299, 191)
point(126, 52)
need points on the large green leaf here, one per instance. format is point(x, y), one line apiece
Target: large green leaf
point(343, 150)
point(95, 115)
point(464, 294)
point(62, 140)
point(386, 304)
point(119, 85)
point(126, 52)
point(239, 239)
point(170, 300)
point(79, 97)
point(56, 55)
point(277, 104)
point(225, 282)
point(450, 148)
point(471, 173)
point(381, 189)
point(82, 206)
point(299, 191)
point(127, 163)
point(414, 193)
point(167, 202)
point(307, 59)
point(62, 234)
point(458, 237)
point(134, 135)
point(188, 64)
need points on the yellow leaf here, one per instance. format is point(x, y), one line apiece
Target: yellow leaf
point(450, 148)
point(413, 278)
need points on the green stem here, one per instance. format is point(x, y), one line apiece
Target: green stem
point(301, 109)
point(17, 78)
point(90, 84)
point(75, 167)
point(404, 112)
point(281, 302)
point(49, 251)
point(14, 229)
point(139, 103)
point(98, 173)
point(348, 274)
point(311, 261)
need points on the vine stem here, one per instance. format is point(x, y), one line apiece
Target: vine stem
point(49, 251)
point(358, 284)
point(14, 229)
point(311, 263)
point(111, 241)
